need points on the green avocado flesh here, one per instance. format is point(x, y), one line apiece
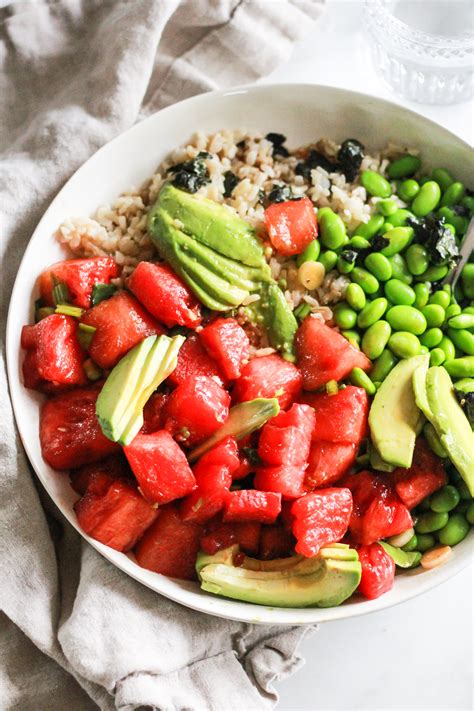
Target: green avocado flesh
point(450, 423)
point(130, 384)
point(244, 418)
point(323, 581)
point(395, 419)
point(219, 256)
point(401, 558)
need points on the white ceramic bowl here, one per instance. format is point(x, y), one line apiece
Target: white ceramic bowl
point(303, 113)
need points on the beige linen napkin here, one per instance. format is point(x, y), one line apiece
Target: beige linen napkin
point(75, 632)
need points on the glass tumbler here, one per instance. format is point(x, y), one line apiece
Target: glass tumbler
point(424, 49)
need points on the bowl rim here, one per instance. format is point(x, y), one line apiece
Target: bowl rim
point(196, 599)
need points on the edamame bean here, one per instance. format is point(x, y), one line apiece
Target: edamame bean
point(361, 379)
point(463, 320)
point(359, 243)
point(460, 367)
point(372, 312)
point(467, 280)
point(386, 227)
point(328, 259)
point(465, 385)
point(459, 222)
point(310, 254)
point(467, 310)
point(468, 201)
point(370, 228)
point(430, 521)
point(434, 441)
point(311, 275)
point(431, 338)
point(425, 541)
point(408, 190)
point(434, 315)
point(400, 217)
point(399, 293)
point(470, 513)
point(463, 340)
point(434, 273)
point(443, 177)
point(427, 199)
point(355, 296)
point(399, 238)
point(384, 363)
point(447, 346)
point(454, 531)
point(365, 279)
point(386, 207)
point(375, 184)
point(417, 259)
point(424, 350)
point(346, 261)
point(332, 229)
point(344, 316)
point(379, 266)
point(404, 344)
point(445, 499)
point(440, 298)
point(412, 544)
point(352, 336)
point(453, 195)
point(437, 356)
point(375, 339)
point(406, 318)
point(403, 167)
point(400, 269)
point(422, 294)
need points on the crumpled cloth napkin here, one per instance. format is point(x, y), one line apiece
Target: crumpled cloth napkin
point(75, 632)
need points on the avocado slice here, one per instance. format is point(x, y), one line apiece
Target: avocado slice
point(394, 417)
point(244, 418)
point(450, 423)
point(210, 223)
point(131, 382)
point(323, 581)
point(401, 558)
point(376, 461)
point(419, 388)
point(279, 321)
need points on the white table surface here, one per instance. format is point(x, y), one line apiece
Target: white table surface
point(418, 655)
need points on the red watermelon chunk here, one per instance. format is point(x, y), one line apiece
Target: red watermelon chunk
point(164, 295)
point(117, 517)
point(154, 413)
point(228, 344)
point(79, 276)
point(378, 571)
point(275, 542)
point(54, 357)
point(328, 462)
point(120, 322)
point(321, 518)
point(170, 545)
point(213, 474)
point(425, 476)
point(285, 479)
point(97, 477)
point(219, 535)
point(286, 438)
point(291, 225)
point(341, 417)
point(324, 355)
point(70, 433)
point(196, 409)
point(194, 361)
point(378, 511)
point(269, 376)
point(160, 467)
point(251, 505)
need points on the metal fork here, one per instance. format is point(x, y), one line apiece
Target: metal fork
point(467, 247)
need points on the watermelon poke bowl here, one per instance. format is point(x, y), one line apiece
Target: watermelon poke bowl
point(251, 376)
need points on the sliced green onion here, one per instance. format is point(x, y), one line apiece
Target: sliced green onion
point(42, 312)
point(302, 311)
point(86, 328)
point(60, 292)
point(332, 387)
point(100, 292)
point(68, 310)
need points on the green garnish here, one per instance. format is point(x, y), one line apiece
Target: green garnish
point(68, 310)
point(60, 292)
point(100, 292)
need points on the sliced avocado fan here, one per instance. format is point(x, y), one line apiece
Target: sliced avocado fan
point(323, 581)
point(130, 384)
point(221, 259)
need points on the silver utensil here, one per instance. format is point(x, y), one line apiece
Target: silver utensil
point(467, 247)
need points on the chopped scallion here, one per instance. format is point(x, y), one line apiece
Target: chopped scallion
point(100, 292)
point(332, 387)
point(68, 310)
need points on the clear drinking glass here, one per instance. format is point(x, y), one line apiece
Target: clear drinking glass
point(424, 48)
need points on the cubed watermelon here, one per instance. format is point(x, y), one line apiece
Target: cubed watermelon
point(378, 571)
point(324, 355)
point(286, 438)
point(219, 535)
point(328, 462)
point(164, 295)
point(269, 376)
point(251, 505)
point(160, 467)
point(284, 479)
point(275, 542)
point(425, 476)
point(193, 361)
point(341, 417)
point(291, 225)
point(321, 518)
point(79, 276)
point(228, 344)
point(97, 477)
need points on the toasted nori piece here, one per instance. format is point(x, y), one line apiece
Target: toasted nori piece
point(440, 242)
point(350, 157)
point(230, 182)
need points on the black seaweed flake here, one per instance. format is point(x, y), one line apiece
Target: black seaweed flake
point(349, 255)
point(350, 157)
point(461, 210)
point(315, 159)
point(281, 193)
point(192, 174)
point(466, 400)
point(278, 139)
point(230, 182)
point(439, 241)
point(378, 243)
